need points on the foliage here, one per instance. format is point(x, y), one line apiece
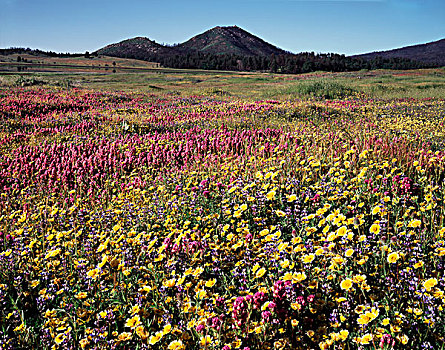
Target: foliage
point(167, 222)
point(325, 89)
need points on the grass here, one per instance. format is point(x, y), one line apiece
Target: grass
point(427, 83)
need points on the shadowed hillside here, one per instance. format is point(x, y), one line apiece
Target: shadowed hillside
point(432, 52)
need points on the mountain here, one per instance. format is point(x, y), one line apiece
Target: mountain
point(139, 47)
point(215, 41)
point(234, 49)
point(230, 40)
point(431, 53)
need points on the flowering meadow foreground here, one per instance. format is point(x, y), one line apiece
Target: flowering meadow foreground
point(135, 221)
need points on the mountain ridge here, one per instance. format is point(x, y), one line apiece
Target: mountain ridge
point(431, 52)
point(230, 40)
point(234, 40)
point(217, 40)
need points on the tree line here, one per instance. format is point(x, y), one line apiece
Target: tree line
point(304, 62)
point(287, 63)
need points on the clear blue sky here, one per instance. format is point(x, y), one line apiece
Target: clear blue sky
point(342, 26)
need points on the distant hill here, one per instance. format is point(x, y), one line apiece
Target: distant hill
point(233, 48)
point(430, 53)
point(230, 40)
point(139, 47)
point(216, 41)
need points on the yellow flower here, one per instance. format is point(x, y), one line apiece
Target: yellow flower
point(260, 273)
point(375, 228)
point(393, 257)
point(291, 198)
point(344, 334)
point(346, 284)
point(60, 338)
point(366, 339)
point(294, 323)
point(271, 195)
point(170, 283)
point(52, 253)
point(342, 231)
point(403, 339)
point(84, 342)
point(104, 261)
point(176, 345)
point(264, 232)
point(287, 277)
point(376, 210)
point(155, 338)
point(167, 329)
point(284, 264)
point(299, 276)
point(124, 336)
point(349, 253)
point(280, 213)
point(81, 295)
point(430, 283)
point(206, 340)
point(418, 264)
point(307, 259)
point(133, 322)
point(414, 223)
point(210, 283)
point(142, 332)
point(93, 273)
point(201, 294)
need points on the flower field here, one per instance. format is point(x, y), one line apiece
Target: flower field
point(134, 221)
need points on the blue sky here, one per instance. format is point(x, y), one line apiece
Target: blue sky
point(342, 26)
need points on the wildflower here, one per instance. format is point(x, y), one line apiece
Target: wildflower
point(155, 338)
point(344, 334)
point(299, 276)
point(430, 283)
point(403, 339)
point(291, 198)
point(342, 231)
point(170, 283)
point(206, 340)
point(142, 332)
point(414, 223)
point(176, 345)
point(133, 322)
point(270, 195)
point(84, 343)
point(93, 273)
point(280, 213)
point(307, 259)
point(375, 228)
point(210, 283)
point(260, 273)
point(376, 210)
point(393, 257)
point(346, 284)
point(366, 339)
point(349, 253)
point(167, 329)
point(124, 336)
point(52, 253)
point(59, 338)
point(81, 295)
